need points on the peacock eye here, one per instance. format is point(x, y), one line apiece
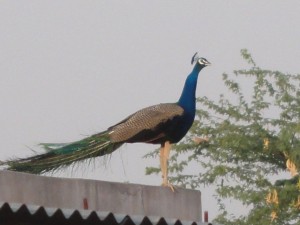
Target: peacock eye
point(201, 61)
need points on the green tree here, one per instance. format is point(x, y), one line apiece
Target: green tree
point(253, 142)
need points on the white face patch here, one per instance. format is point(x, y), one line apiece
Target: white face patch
point(200, 60)
point(203, 61)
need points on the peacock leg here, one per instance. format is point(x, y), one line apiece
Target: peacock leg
point(161, 159)
point(164, 157)
point(162, 165)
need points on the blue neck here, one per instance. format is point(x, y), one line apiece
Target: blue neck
point(187, 99)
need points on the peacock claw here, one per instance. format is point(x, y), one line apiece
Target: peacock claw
point(169, 185)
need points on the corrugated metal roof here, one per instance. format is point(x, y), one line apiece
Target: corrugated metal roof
point(21, 214)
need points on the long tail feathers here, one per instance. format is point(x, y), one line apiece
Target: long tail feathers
point(61, 155)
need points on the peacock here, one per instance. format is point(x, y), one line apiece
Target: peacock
point(162, 124)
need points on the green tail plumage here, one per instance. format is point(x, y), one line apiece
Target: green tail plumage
point(61, 155)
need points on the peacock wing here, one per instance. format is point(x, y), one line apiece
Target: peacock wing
point(147, 119)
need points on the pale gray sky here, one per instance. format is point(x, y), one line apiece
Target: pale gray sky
point(73, 68)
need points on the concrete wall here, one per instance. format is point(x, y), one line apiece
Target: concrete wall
point(131, 199)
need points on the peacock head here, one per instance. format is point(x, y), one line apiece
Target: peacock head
point(201, 61)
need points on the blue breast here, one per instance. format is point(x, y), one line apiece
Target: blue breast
point(187, 101)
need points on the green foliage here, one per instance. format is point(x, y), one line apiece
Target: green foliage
point(253, 136)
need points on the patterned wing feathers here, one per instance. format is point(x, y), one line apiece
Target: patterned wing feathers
point(145, 119)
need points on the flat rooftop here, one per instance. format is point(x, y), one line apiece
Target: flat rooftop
point(100, 196)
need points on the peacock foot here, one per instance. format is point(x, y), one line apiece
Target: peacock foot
point(169, 185)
